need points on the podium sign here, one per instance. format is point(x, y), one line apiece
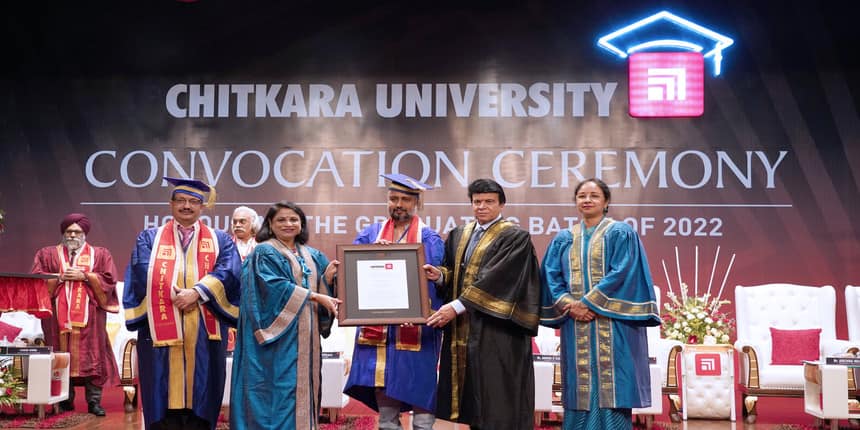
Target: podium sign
point(708, 364)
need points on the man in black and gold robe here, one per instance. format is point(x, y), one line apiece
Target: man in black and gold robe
point(491, 283)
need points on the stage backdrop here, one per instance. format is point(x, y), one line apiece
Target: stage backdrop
point(306, 104)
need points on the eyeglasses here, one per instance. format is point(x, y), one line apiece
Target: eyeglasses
point(73, 232)
point(192, 202)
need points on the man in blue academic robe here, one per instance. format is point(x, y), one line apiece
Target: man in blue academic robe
point(181, 295)
point(394, 366)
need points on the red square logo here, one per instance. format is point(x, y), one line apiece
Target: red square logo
point(389, 266)
point(667, 84)
point(708, 365)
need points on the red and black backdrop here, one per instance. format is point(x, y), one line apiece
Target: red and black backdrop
point(311, 103)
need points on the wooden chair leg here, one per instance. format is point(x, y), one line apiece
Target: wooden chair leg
point(749, 408)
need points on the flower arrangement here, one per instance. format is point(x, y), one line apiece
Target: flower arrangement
point(11, 386)
point(696, 320)
point(2, 227)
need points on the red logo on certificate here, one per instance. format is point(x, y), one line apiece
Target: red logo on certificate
point(708, 365)
point(667, 84)
point(389, 266)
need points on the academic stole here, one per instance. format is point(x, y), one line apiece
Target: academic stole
point(165, 267)
point(73, 304)
point(590, 262)
point(407, 338)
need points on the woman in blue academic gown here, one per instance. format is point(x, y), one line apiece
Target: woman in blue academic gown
point(597, 288)
point(286, 305)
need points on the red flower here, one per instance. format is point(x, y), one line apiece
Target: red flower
point(692, 339)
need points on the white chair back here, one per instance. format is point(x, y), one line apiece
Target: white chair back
point(547, 342)
point(852, 311)
point(783, 306)
point(31, 327)
point(653, 333)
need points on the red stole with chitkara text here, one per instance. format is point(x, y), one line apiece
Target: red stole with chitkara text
point(170, 265)
point(73, 300)
point(407, 337)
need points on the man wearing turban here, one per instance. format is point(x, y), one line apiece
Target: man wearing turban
point(82, 294)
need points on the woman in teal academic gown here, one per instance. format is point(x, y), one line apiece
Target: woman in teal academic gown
point(597, 288)
point(286, 304)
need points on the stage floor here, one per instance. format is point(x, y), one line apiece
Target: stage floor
point(772, 412)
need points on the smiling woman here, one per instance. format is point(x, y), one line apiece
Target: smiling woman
point(286, 305)
point(597, 288)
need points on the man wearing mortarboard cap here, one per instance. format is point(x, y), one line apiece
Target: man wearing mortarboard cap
point(182, 295)
point(405, 355)
point(82, 294)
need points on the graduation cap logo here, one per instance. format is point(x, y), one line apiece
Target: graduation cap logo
point(666, 62)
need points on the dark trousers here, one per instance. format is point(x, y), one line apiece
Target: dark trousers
point(92, 392)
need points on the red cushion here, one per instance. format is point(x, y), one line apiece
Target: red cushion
point(794, 346)
point(9, 332)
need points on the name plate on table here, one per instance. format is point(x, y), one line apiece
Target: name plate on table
point(844, 361)
point(547, 358)
point(25, 350)
point(331, 354)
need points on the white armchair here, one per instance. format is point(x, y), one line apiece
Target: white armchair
point(786, 307)
point(547, 376)
point(664, 377)
point(124, 344)
point(852, 312)
point(337, 352)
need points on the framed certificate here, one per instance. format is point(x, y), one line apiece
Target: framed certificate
point(382, 284)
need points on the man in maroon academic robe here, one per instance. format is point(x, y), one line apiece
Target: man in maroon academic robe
point(82, 294)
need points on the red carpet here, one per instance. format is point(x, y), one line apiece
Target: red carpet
point(771, 410)
point(30, 420)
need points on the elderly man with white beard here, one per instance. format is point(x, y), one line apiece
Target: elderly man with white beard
point(82, 294)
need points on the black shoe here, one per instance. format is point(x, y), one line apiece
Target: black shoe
point(66, 406)
point(96, 410)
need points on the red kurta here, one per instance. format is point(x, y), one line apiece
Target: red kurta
point(91, 352)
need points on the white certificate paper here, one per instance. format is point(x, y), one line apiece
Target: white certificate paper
point(382, 284)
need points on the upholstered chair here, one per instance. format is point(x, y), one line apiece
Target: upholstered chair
point(665, 357)
point(124, 344)
point(852, 312)
point(778, 327)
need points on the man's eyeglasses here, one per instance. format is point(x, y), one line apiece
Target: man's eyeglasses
point(73, 232)
point(192, 202)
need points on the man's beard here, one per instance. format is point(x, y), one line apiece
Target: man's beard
point(74, 243)
point(400, 214)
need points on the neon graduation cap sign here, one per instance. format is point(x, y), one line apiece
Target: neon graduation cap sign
point(666, 63)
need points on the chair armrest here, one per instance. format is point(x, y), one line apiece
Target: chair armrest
point(671, 350)
point(749, 366)
point(128, 366)
point(830, 347)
